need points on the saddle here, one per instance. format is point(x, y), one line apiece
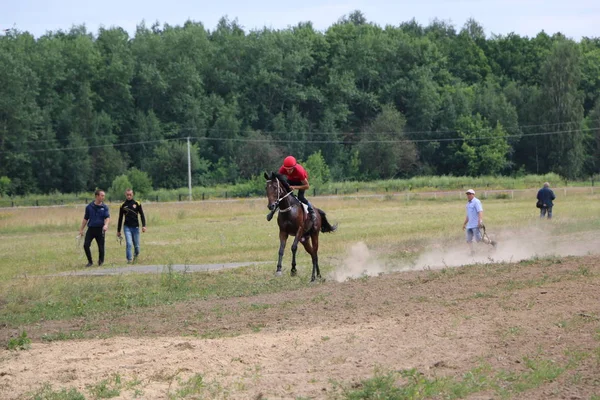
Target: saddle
point(306, 215)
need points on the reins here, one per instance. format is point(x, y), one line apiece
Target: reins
point(281, 198)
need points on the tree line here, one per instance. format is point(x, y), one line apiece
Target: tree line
point(356, 101)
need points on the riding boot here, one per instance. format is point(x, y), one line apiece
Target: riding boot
point(313, 215)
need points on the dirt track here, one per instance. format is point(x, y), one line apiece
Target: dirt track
point(299, 344)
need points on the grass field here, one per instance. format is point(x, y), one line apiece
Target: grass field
point(38, 242)
point(390, 232)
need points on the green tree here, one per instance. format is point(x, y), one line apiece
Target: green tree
point(436, 152)
point(467, 59)
point(118, 187)
point(482, 151)
point(256, 155)
point(223, 133)
point(112, 80)
point(590, 72)
point(77, 166)
point(4, 185)
point(20, 115)
point(169, 165)
point(107, 163)
point(563, 109)
point(140, 181)
point(317, 169)
point(592, 141)
point(385, 152)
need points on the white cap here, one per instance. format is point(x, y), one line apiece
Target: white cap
point(470, 191)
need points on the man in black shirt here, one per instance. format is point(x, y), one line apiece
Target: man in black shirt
point(131, 209)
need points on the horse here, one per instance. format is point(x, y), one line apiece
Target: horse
point(293, 220)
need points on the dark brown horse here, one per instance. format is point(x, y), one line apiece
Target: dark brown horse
point(293, 221)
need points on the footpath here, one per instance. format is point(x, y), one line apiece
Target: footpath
point(156, 269)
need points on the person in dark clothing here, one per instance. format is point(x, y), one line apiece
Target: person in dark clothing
point(131, 209)
point(97, 218)
point(545, 196)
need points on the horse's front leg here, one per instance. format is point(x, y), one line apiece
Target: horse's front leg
point(294, 249)
point(282, 241)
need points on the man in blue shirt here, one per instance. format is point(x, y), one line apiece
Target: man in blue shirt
point(96, 218)
point(474, 219)
point(545, 196)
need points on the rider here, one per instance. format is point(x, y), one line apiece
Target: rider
point(297, 178)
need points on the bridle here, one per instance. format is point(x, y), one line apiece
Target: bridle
point(279, 192)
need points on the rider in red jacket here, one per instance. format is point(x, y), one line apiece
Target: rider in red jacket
point(297, 178)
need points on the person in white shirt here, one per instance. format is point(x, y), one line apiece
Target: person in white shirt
point(474, 219)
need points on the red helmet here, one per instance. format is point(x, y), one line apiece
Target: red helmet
point(289, 162)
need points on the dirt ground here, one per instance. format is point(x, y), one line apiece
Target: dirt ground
point(313, 343)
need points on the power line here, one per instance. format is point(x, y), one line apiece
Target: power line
point(308, 133)
point(271, 140)
point(90, 147)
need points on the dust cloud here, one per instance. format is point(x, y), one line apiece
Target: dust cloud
point(512, 246)
point(359, 262)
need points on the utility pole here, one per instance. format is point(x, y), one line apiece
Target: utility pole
point(189, 169)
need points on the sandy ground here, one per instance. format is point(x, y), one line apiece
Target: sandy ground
point(318, 342)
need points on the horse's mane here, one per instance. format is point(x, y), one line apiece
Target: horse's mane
point(283, 179)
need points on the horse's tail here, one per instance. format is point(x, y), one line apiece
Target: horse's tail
point(326, 227)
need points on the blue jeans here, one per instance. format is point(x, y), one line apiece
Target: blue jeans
point(473, 233)
point(132, 237)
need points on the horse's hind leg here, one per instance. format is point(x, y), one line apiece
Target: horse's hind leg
point(313, 251)
point(294, 249)
point(282, 241)
point(315, 258)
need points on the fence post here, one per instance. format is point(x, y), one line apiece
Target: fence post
point(202, 195)
point(226, 195)
point(157, 198)
point(512, 194)
point(179, 196)
point(565, 191)
point(314, 192)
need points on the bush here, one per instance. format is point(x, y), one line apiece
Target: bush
point(118, 187)
point(4, 185)
point(318, 171)
point(140, 182)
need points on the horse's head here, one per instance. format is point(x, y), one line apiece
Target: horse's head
point(273, 189)
point(277, 187)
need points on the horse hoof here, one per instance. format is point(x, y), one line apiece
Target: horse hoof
point(278, 273)
point(293, 273)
